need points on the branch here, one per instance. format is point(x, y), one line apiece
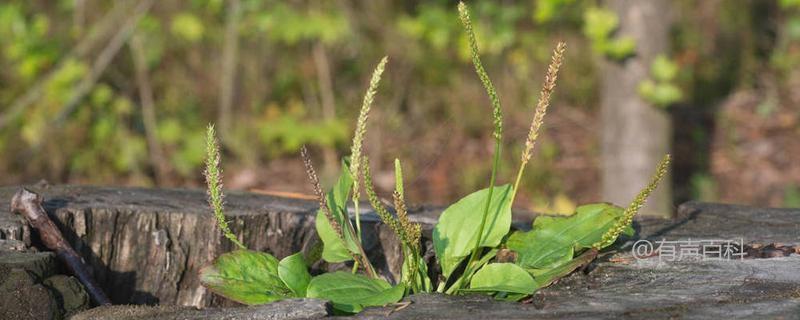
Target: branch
point(99, 31)
point(230, 54)
point(104, 59)
point(29, 204)
point(148, 108)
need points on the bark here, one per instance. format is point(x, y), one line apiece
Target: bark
point(29, 205)
point(146, 246)
point(636, 134)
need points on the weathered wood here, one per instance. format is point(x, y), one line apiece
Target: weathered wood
point(29, 205)
point(281, 310)
point(653, 289)
point(147, 245)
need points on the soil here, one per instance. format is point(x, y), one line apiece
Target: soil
point(754, 151)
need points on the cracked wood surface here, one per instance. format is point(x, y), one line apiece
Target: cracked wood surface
point(147, 245)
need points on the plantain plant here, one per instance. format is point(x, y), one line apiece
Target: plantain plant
point(467, 238)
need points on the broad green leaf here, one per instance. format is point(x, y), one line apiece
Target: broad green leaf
point(334, 250)
point(245, 276)
point(544, 278)
point(352, 292)
point(456, 233)
point(554, 240)
point(503, 277)
point(293, 271)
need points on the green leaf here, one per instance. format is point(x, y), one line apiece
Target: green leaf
point(334, 249)
point(187, 26)
point(661, 94)
point(544, 278)
point(620, 48)
point(503, 277)
point(293, 271)
point(456, 233)
point(352, 292)
point(599, 22)
point(554, 240)
point(245, 276)
point(663, 69)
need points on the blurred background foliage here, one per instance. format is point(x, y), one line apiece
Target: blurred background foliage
point(75, 89)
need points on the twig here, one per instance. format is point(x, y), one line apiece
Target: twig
point(325, 84)
point(98, 32)
point(104, 59)
point(29, 204)
point(230, 55)
point(155, 152)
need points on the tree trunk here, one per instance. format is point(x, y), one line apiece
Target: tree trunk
point(636, 134)
point(230, 55)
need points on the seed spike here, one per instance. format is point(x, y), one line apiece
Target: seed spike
point(323, 202)
point(497, 113)
point(361, 124)
point(213, 175)
point(544, 100)
point(627, 216)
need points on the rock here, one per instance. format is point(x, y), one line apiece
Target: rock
point(286, 309)
point(12, 226)
point(21, 298)
point(12, 245)
point(40, 264)
point(69, 293)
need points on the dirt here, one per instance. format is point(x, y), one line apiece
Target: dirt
point(754, 151)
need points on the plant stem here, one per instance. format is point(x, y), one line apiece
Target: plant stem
point(361, 253)
point(516, 182)
point(476, 250)
point(358, 219)
point(497, 116)
point(467, 275)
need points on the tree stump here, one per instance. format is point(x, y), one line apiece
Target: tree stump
point(146, 246)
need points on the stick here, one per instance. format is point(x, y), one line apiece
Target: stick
point(29, 204)
point(98, 32)
point(103, 60)
point(230, 57)
point(156, 154)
